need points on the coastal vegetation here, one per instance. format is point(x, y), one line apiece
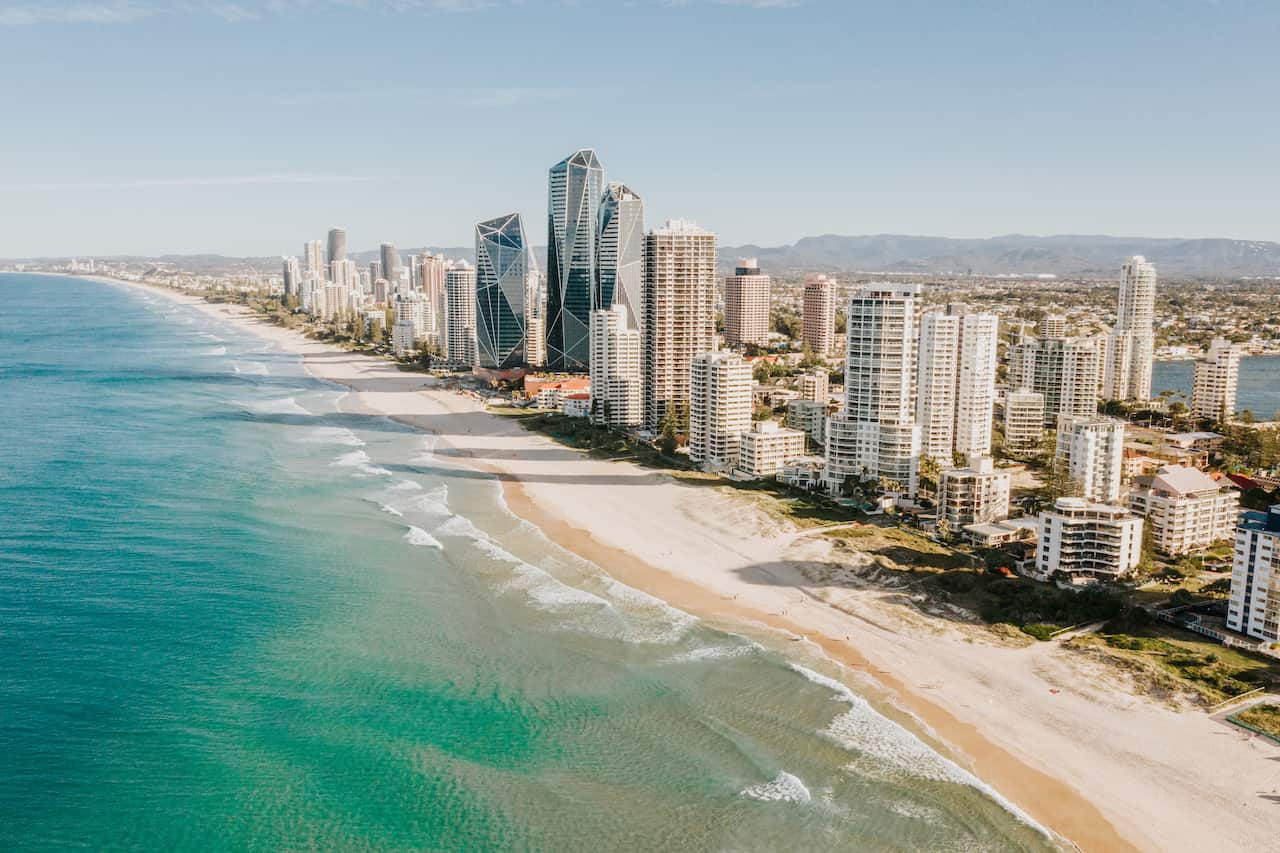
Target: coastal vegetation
point(1263, 717)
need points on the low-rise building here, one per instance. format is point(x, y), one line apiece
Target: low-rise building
point(766, 447)
point(576, 405)
point(1084, 539)
point(997, 533)
point(978, 494)
point(1254, 606)
point(804, 472)
point(550, 395)
point(1187, 509)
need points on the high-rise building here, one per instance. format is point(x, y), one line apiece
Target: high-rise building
point(978, 494)
point(1053, 326)
point(620, 252)
point(431, 269)
point(573, 218)
point(1213, 388)
point(1093, 450)
point(617, 390)
point(1187, 510)
point(1067, 371)
point(391, 264)
point(337, 244)
point(292, 276)
point(876, 436)
point(313, 258)
point(938, 380)
point(1131, 345)
point(1254, 606)
point(815, 385)
point(818, 322)
point(719, 408)
point(1083, 539)
point(345, 273)
point(504, 269)
point(375, 271)
point(976, 383)
point(679, 315)
point(746, 304)
point(1023, 420)
point(460, 307)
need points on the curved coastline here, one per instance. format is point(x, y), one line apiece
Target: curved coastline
point(757, 597)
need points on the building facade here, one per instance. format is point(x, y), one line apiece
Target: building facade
point(1213, 387)
point(620, 252)
point(746, 304)
point(506, 279)
point(1084, 539)
point(617, 389)
point(876, 435)
point(460, 308)
point(1254, 606)
point(1066, 371)
point(1131, 345)
point(1023, 420)
point(977, 494)
point(575, 188)
point(337, 245)
point(766, 448)
point(679, 313)
point(719, 408)
point(1186, 509)
point(1093, 451)
point(818, 318)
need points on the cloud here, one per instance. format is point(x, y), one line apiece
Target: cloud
point(120, 12)
point(471, 96)
point(153, 183)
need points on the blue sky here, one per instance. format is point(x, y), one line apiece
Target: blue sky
point(149, 126)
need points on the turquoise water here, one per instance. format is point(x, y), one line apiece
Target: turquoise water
point(1258, 391)
point(233, 618)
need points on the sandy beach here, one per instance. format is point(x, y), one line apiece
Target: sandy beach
point(1056, 733)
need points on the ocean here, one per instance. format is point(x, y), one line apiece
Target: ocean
point(232, 617)
point(1258, 391)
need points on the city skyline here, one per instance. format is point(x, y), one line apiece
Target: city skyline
point(1023, 97)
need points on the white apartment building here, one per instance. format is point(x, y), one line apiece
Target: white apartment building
point(876, 436)
point(719, 408)
point(1254, 606)
point(1023, 420)
point(460, 312)
point(746, 304)
point(1067, 371)
point(616, 385)
point(1186, 509)
point(679, 313)
point(1053, 326)
point(313, 258)
point(1085, 539)
point(815, 385)
point(1131, 345)
point(977, 494)
point(818, 318)
point(957, 382)
point(1213, 388)
point(1093, 448)
point(766, 447)
point(810, 417)
point(404, 338)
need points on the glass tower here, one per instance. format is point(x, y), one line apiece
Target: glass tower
point(504, 270)
point(620, 252)
point(573, 206)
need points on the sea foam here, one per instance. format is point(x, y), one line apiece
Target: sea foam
point(418, 536)
point(783, 788)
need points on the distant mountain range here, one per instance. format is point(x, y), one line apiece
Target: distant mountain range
point(1013, 253)
point(1071, 255)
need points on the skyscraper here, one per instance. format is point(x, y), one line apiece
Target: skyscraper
point(1131, 345)
point(292, 276)
point(337, 244)
point(819, 319)
point(976, 383)
point(391, 264)
point(719, 408)
point(1213, 388)
point(573, 217)
point(1067, 371)
point(679, 313)
point(746, 304)
point(504, 271)
point(460, 299)
point(313, 258)
point(617, 390)
point(876, 436)
point(431, 269)
point(620, 252)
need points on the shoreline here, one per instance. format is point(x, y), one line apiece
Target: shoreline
point(750, 580)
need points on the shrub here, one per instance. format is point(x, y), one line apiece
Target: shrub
point(1040, 631)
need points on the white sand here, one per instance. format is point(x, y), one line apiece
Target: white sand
point(1100, 765)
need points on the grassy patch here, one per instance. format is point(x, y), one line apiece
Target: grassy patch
point(1215, 672)
point(1264, 717)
